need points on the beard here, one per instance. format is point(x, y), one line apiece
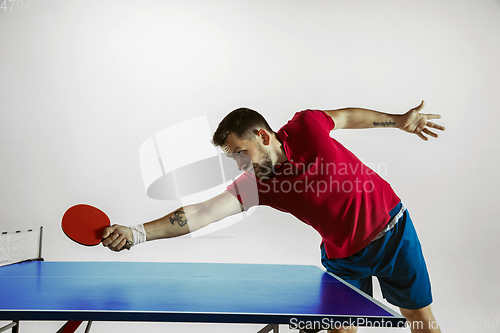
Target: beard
point(265, 168)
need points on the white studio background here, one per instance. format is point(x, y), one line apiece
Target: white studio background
point(84, 83)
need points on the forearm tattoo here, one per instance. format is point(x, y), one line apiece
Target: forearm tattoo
point(179, 218)
point(383, 123)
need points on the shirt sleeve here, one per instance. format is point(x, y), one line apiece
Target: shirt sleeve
point(322, 118)
point(244, 188)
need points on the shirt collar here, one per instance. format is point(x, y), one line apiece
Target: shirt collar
point(283, 136)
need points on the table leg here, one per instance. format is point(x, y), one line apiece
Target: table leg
point(270, 327)
point(70, 327)
point(14, 325)
point(87, 329)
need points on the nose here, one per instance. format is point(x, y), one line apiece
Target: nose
point(242, 161)
point(241, 165)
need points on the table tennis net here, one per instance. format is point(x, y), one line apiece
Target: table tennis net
point(18, 246)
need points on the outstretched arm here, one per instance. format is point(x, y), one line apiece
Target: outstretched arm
point(180, 222)
point(412, 121)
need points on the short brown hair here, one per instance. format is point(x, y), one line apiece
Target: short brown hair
point(241, 122)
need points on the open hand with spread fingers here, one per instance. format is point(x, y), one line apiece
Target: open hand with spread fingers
point(418, 123)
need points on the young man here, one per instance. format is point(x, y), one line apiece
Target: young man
point(300, 169)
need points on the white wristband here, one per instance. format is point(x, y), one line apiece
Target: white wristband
point(138, 233)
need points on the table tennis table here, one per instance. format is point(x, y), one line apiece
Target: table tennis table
point(304, 297)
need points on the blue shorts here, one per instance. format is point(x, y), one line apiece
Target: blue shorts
point(395, 259)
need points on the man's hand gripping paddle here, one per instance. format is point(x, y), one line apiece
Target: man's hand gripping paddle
point(85, 225)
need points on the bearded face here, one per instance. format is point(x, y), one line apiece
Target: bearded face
point(250, 154)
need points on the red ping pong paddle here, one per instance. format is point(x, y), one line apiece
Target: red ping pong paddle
point(85, 225)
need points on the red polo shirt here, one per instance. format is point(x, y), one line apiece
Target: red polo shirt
point(324, 185)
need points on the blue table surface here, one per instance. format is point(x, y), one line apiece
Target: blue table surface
point(46, 290)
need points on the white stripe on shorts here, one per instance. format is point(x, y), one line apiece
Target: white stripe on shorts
point(391, 223)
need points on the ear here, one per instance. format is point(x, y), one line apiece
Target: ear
point(264, 135)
